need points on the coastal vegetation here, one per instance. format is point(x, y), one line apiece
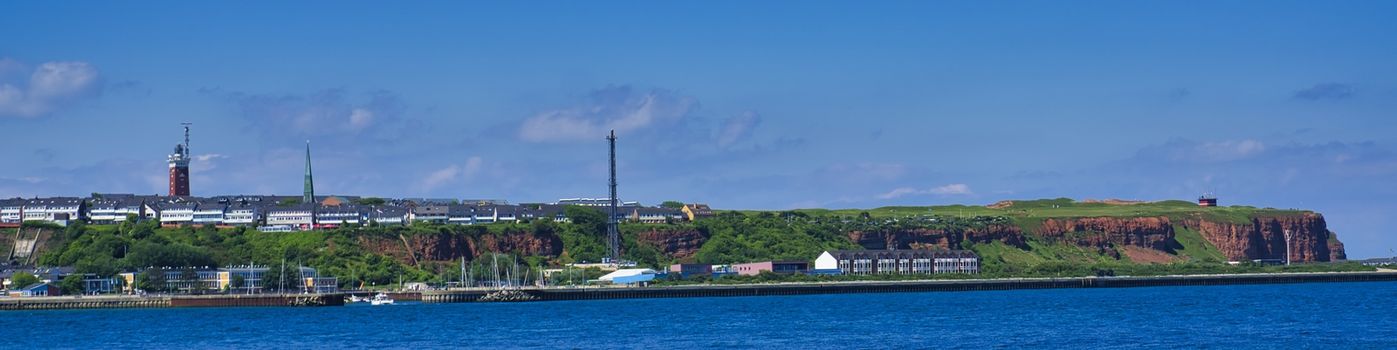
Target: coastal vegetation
point(1013, 239)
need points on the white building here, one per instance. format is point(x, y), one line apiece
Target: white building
point(655, 215)
point(386, 215)
point(461, 214)
point(60, 210)
point(242, 215)
point(173, 213)
point(300, 216)
point(110, 210)
point(629, 276)
point(335, 216)
point(904, 261)
point(432, 213)
point(10, 211)
point(206, 213)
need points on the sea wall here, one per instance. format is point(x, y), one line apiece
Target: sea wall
point(594, 293)
point(126, 301)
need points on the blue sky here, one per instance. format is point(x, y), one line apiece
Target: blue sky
point(764, 106)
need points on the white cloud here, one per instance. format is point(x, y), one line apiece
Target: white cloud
point(360, 118)
point(333, 116)
point(452, 173)
point(439, 177)
point(738, 128)
point(1230, 150)
point(204, 163)
point(49, 87)
point(864, 172)
point(947, 190)
point(1186, 151)
point(613, 108)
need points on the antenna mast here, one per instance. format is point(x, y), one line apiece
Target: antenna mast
point(186, 138)
point(612, 233)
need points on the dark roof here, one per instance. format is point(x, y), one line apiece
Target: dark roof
point(174, 205)
point(336, 209)
point(255, 207)
point(386, 211)
point(545, 210)
point(116, 202)
point(506, 210)
point(431, 210)
point(657, 211)
point(209, 205)
point(54, 201)
point(36, 285)
point(293, 207)
point(454, 210)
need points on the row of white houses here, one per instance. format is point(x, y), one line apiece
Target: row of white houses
point(276, 214)
point(901, 262)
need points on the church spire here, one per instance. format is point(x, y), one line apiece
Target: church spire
point(309, 196)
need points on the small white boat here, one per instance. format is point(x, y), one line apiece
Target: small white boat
point(381, 299)
point(357, 299)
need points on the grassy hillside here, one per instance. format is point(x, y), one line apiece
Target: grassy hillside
point(1063, 208)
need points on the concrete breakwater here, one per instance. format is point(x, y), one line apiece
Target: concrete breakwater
point(594, 293)
point(118, 302)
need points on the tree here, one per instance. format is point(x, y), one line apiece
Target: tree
point(590, 220)
point(370, 201)
point(672, 204)
point(22, 279)
point(74, 230)
point(152, 279)
point(189, 279)
point(237, 281)
point(72, 284)
point(118, 283)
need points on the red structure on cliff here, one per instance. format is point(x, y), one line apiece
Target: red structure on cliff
point(1207, 200)
point(179, 167)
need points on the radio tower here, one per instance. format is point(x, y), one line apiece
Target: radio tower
point(613, 235)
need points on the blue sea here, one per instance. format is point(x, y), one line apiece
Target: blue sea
point(1320, 315)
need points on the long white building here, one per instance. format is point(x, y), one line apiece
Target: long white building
point(904, 261)
point(60, 210)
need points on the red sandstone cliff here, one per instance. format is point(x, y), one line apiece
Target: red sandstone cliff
point(922, 238)
point(1260, 238)
point(442, 246)
point(1264, 238)
point(680, 243)
point(1105, 233)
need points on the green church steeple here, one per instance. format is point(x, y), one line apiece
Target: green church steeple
point(309, 196)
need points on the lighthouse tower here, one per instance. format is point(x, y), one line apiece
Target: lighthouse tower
point(179, 167)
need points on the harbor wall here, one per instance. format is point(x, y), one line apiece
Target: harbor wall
point(118, 302)
point(597, 293)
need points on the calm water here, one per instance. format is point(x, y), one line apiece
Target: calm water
point(1329, 316)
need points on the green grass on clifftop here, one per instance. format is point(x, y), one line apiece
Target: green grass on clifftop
point(1067, 208)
